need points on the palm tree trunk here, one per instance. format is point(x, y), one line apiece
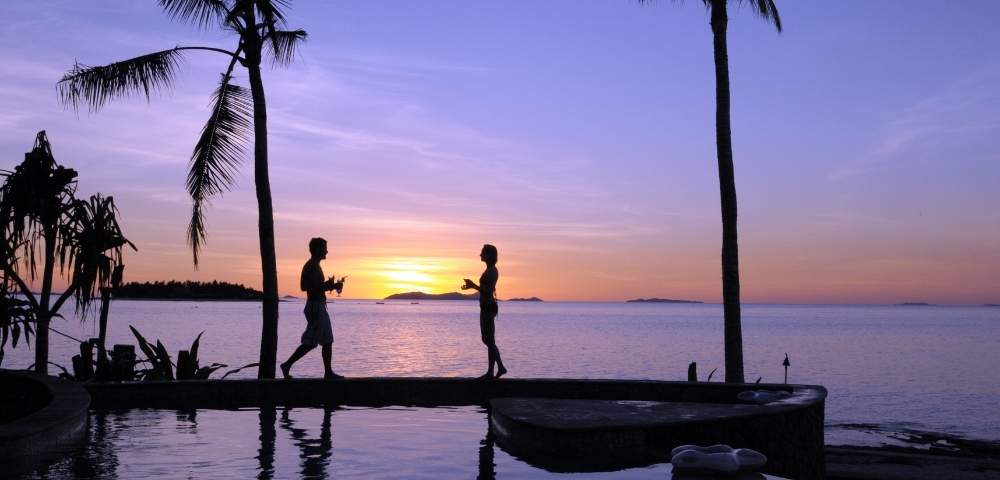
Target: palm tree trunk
point(43, 316)
point(102, 332)
point(727, 191)
point(265, 212)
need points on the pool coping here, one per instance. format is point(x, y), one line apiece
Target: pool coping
point(60, 423)
point(430, 391)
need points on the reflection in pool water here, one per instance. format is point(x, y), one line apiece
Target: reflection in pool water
point(276, 443)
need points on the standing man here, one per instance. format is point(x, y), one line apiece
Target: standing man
point(318, 330)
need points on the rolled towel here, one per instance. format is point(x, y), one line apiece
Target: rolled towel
point(695, 461)
point(761, 397)
point(750, 460)
point(719, 448)
point(716, 458)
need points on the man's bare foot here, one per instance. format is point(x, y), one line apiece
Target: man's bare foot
point(284, 370)
point(501, 372)
point(485, 376)
point(332, 376)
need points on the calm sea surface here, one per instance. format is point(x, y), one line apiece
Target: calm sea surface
point(888, 369)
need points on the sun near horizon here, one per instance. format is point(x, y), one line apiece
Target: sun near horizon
point(410, 274)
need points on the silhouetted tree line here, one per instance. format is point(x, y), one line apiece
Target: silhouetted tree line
point(214, 290)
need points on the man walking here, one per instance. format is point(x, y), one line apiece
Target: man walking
point(318, 329)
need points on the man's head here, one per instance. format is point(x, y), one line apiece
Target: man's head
point(317, 247)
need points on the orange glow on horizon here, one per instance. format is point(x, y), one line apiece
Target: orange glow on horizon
point(381, 277)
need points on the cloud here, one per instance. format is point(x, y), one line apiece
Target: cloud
point(389, 64)
point(966, 108)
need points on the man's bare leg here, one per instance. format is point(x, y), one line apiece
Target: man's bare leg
point(327, 360)
point(296, 355)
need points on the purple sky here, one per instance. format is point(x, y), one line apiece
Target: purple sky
point(578, 136)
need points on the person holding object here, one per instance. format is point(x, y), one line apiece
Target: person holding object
point(318, 329)
point(488, 309)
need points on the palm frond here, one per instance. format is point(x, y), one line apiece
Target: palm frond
point(98, 242)
point(201, 13)
point(236, 13)
point(218, 153)
point(95, 86)
point(196, 231)
point(767, 10)
point(272, 11)
point(272, 17)
point(283, 44)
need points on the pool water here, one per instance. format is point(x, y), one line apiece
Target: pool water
point(332, 442)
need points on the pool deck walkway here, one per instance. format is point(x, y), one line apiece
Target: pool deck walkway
point(430, 391)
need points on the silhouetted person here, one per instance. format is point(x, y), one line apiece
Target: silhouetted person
point(314, 453)
point(488, 309)
point(318, 330)
point(487, 464)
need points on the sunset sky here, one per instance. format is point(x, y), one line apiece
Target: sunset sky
point(577, 136)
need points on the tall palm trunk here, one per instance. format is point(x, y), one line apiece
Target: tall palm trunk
point(102, 332)
point(265, 212)
point(727, 191)
point(42, 314)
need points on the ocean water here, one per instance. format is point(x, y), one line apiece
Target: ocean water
point(889, 369)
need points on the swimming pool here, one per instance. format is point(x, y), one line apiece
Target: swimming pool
point(328, 442)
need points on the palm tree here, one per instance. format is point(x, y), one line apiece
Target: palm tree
point(767, 10)
point(97, 264)
point(41, 221)
point(258, 28)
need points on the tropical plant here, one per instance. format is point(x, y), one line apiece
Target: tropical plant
point(236, 114)
point(99, 242)
point(162, 367)
point(718, 9)
point(41, 222)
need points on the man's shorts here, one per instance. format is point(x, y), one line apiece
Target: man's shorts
point(318, 330)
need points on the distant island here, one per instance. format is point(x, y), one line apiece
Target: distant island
point(529, 299)
point(914, 304)
point(661, 300)
point(432, 296)
point(991, 304)
point(187, 290)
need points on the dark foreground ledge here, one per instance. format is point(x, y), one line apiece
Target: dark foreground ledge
point(379, 391)
point(44, 417)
